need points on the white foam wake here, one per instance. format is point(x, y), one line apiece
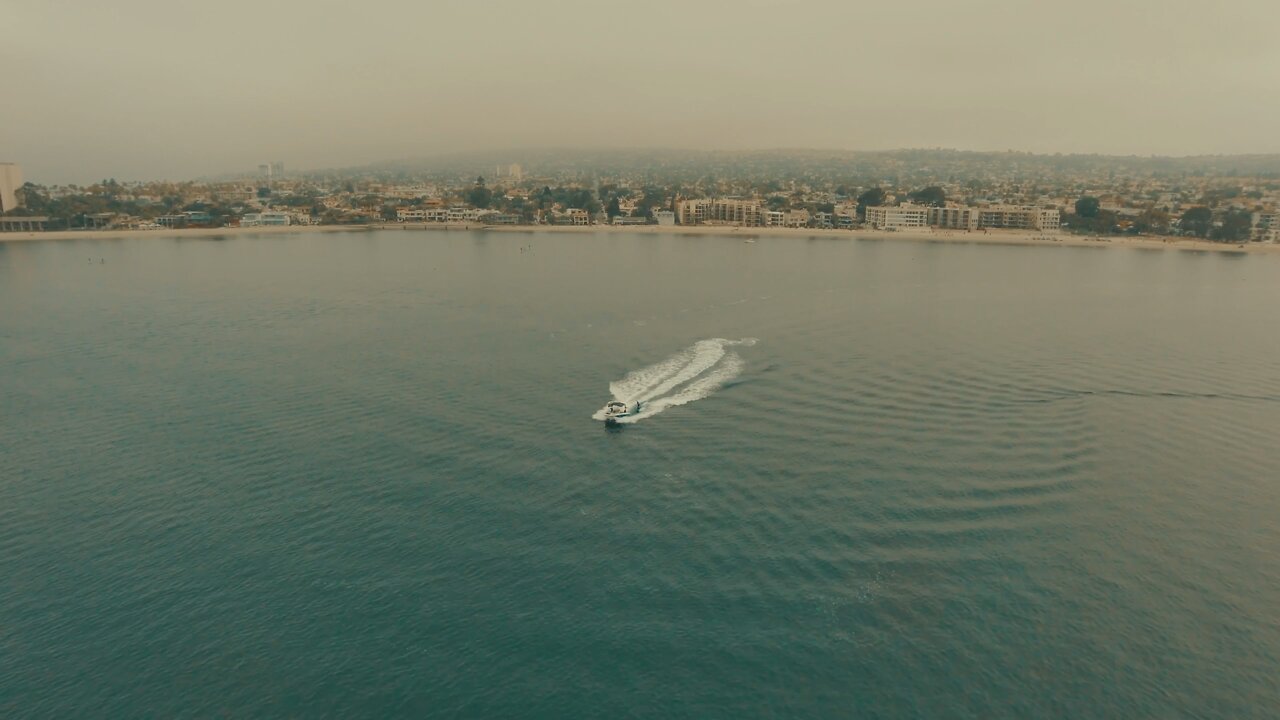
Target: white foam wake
point(691, 374)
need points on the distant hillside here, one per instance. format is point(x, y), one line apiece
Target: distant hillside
point(799, 163)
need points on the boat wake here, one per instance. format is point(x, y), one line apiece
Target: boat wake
point(691, 374)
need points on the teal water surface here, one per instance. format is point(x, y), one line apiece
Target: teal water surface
point(357, 475)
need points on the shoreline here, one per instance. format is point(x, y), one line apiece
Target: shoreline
point(998, 237)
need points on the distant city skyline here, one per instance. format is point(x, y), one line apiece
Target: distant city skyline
point(143, 89)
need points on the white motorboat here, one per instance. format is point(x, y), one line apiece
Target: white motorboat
point(615, 410)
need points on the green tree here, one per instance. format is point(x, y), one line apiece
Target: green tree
point(1152, 221)
point(1197, 221)
point(932, 195)
point(479, 196)
point(874, 197)
point(1236, 226)
point(32, 199)
point(613, 209)
point(1088, 207)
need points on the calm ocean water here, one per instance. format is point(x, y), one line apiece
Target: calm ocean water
point(356, 475)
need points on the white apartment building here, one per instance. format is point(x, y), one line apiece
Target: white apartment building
point(901, 217)
point(459, 213)
point(664, 217)
point(10, 181)
point(265, 218)
point(432, 214)
point(775, 218)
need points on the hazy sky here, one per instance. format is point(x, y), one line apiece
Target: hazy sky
point(139, 89)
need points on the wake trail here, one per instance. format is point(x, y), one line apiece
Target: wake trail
point(689, 375)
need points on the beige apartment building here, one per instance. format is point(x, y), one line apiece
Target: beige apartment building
point(720, 212)
point(1019, 217)
point(954, 217)
point(1266, 227)
point(10, 181)
point(900, 217)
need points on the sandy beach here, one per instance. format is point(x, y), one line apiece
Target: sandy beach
point(1009, 237)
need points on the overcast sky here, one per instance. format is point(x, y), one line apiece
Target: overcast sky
point(142, 89)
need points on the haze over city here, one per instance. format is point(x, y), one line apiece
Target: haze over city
point(143, 89)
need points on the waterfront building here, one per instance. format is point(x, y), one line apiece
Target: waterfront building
point(572, 216)
point(422, 214)
point(720, 212)
point(796, 219)
point(1266, 227)
point(21, 223)
point(10, 181)
point(899, 217)
point(735, 212)
point(691, 212)
point(265, 218)
point(190, 218)
point(1019, 217)
point(459, 213)
point(953, 217)
point(664, 217)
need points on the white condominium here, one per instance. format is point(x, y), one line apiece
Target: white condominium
point(962, 217)
point(432, 214)
point(10, 181)
point(900, 217)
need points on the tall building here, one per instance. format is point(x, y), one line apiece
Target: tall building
point(720, 211)
point(955, 217)
point(1266, 227)
point(899, 217)
point(10, 181)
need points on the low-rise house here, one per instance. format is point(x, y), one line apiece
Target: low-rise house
point(266, 218)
